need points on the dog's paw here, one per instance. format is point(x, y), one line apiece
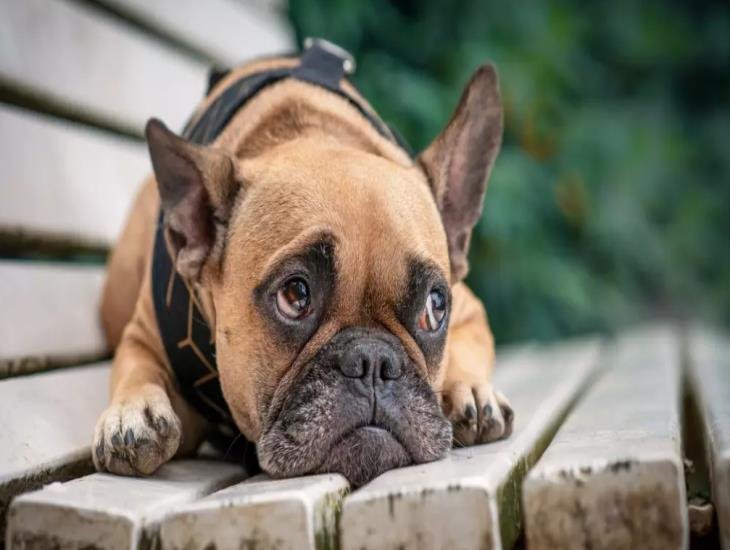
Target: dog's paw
point(137, 435)
point(478, 414)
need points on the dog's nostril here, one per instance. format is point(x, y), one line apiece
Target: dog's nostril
point(364, 367)
point(389, 369)
point(355, 364)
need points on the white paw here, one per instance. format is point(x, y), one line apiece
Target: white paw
point(137, 435)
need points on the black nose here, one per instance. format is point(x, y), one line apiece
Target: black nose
point(370, 358)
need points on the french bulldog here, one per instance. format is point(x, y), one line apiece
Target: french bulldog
point(328, 265)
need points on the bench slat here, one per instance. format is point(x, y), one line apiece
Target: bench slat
point(709, 375)
point(613, 476)
point(476, 488)
point(261, 513)
point(50, 315)
point(228, 32)
point(112, 512)
point(48, 420)
point(88, 61)
point(80, 190)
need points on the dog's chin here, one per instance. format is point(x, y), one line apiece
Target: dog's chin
point(360, 454)
point(364, 454)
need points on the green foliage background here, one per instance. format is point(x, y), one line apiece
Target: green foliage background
point(609, 202)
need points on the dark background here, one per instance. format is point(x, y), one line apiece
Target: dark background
point(609, 201)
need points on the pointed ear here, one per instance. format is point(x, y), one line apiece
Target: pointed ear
point(197, 191)
point(459, 160)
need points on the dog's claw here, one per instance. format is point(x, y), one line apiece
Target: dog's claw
point(117, 441)
point(162, 425)
point(100, 453)
point(508, 413)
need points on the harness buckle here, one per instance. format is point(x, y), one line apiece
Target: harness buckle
point(345, 57)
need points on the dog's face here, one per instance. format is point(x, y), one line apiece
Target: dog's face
point(328, 271)
point(345, 289)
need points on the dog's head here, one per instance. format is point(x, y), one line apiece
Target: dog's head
point(327, 271)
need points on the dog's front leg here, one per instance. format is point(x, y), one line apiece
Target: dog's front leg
point(477, 411)
point(147, 422)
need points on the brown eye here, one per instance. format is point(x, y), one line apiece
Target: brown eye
point(433, 314)
point(293, 299)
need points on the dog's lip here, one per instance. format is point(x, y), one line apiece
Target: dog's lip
point(372, 427)
point(366, 426)
point(369, 427)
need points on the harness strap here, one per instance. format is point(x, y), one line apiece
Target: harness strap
point(322, 63)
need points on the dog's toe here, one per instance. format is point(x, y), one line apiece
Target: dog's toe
point(136, 436)
point(497, 417)
point(460, 406)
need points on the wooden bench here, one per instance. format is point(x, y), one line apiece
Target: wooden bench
point(597, 418)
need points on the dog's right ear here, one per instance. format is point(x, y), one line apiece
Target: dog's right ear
point(197, 189)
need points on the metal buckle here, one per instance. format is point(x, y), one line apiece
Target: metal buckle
point(348, 61)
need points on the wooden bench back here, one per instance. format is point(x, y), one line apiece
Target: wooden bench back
point(77, 83)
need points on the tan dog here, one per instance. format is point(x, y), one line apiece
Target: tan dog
point(328, 265)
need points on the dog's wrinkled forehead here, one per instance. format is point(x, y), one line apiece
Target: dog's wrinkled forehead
point(379, 213)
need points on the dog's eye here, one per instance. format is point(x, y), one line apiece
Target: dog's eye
point(434, 312)
point(293, 298)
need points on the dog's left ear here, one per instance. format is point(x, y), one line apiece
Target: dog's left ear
point(197, 191)
point(459, 160)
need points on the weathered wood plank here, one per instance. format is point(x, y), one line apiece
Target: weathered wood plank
point(88, 61)
point(50, 315)
point(228, 32)
point(111, 512)
point(613, 476)
point(64, 180)
point(261, 513)
point(708, 357)
point(471, 498)
point(48, 420)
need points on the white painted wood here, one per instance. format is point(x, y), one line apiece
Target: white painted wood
point(228, 31)
point(48, 419)
point(260, 513)
point(88, 60)
point(459, 502)
point(613, 476)
point(50, 312)
point(65, 180)
point(111, 512)
point(47, 423)
point(709, 374)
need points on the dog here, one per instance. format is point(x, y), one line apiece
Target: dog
point(324, 265)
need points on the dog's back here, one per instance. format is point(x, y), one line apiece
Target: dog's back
point(128, 262)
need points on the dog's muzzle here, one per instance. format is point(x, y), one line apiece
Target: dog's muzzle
point(361, 407)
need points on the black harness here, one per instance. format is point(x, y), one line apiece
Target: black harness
point(185, 334)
